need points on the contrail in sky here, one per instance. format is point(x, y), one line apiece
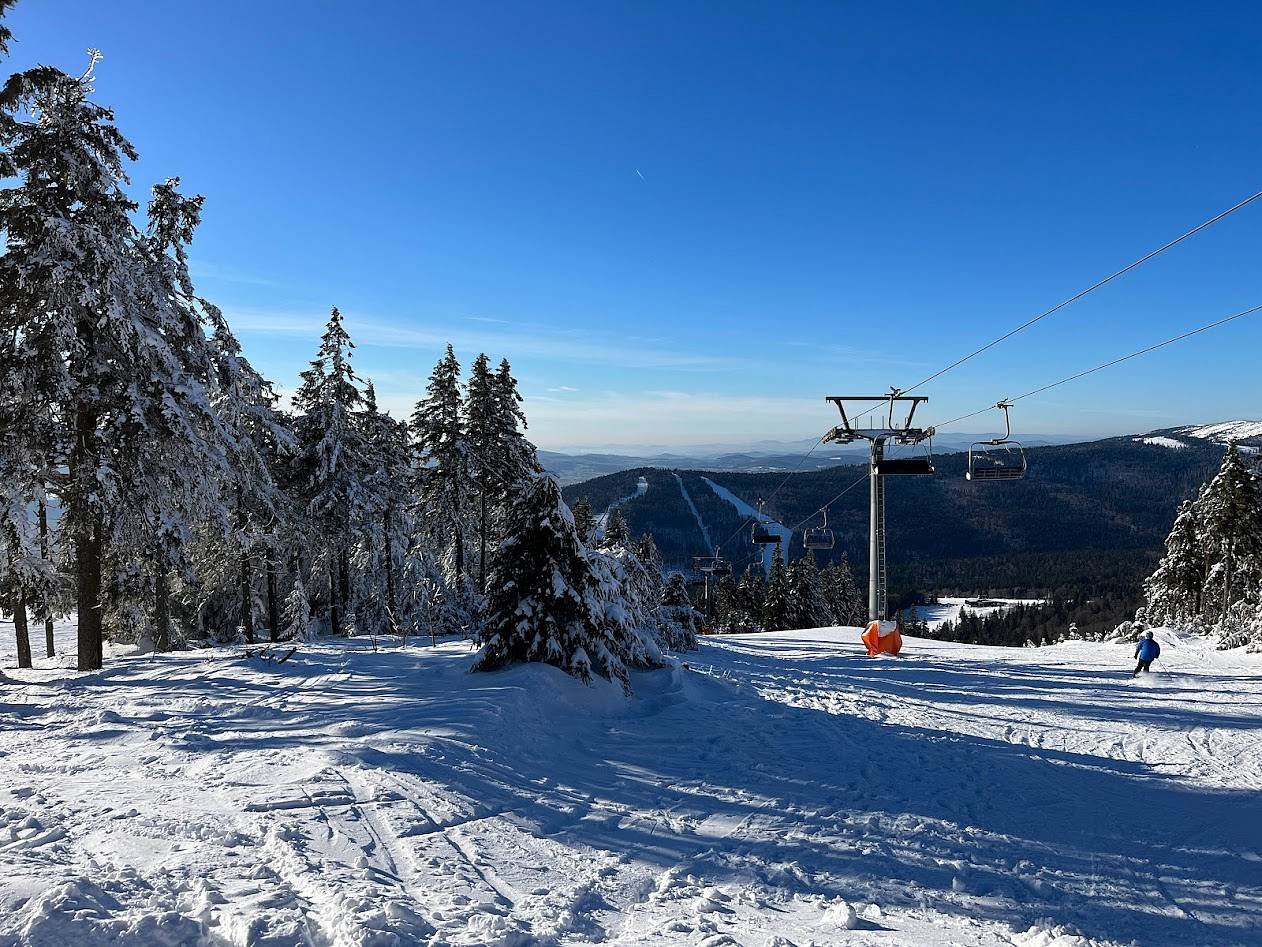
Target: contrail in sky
point(641, 177)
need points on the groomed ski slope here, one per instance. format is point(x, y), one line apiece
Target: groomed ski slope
point(784, 789)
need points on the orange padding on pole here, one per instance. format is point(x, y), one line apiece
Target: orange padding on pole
point(883, 637)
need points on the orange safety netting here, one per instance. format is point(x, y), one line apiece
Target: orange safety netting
point(883, 637)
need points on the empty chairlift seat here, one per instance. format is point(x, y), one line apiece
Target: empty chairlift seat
point(988, 461)
point(818, 537)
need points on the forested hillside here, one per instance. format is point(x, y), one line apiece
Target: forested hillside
point(1110, 502)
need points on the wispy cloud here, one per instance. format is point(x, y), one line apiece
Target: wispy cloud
point(562, 344)
point(563, 388)
point(217, 272)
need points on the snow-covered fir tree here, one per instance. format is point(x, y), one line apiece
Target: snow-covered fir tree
point(681, 622)
point(1211, 575)
point(584, 519)
point(810, 606)
point(846, 604)
point(444, 485)
point(545, 603)
point(104, 336)
point(385, 536)
point(777, 604)
point(330, 465)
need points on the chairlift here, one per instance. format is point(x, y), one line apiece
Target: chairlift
point(819, 537)
point(762, 534)
point(1000, 458)
point(712, 565)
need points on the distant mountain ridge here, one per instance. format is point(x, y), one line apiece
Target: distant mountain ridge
point(1086, 510)
point(766, 457)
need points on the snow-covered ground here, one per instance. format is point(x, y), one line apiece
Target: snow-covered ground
point(948, 609)
point(1161, 441)
point(784, 789)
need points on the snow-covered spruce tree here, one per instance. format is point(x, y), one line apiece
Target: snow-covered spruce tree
point(297, 614)
point(584, 520)
point(104, 337)
point(262, 441)
point(777, 603)
point(616, 531)
point(1211, 575)
point(810, 606)
point(385, 537)
point(485, 459)
point(1230, 512)
point(1173, 592)
point(680, 621)
point(330, 463)
point(444, 487)
point(544, 601)
point(844, 601)
point(741, 602)
point(628, 591)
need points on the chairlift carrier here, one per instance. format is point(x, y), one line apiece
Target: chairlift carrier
point(819, 537)
point(1000, 458)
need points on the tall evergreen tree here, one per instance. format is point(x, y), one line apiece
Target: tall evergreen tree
point(444, 483)
point(777, 603)
point(584, 520)
point(331, 457)
point(386, 536)
point(102, 333)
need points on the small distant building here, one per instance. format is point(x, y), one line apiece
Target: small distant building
point(641, 486)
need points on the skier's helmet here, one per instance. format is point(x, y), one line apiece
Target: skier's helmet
point(1148, 634)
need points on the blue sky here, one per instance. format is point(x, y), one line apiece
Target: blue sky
point(686, 223)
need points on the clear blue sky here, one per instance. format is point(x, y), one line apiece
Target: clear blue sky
point(688, 222)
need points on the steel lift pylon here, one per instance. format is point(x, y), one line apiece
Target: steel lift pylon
point(899, 432)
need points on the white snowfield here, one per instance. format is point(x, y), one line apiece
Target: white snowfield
point(783, 790)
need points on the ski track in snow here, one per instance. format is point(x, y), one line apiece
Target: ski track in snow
point(784, 789)
point(696, 514)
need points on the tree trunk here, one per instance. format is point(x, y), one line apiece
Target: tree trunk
point(247, 599)
point(44, 550)
point(273, 606)
point(335, 614)
point(482, 542)
point(387, 529)
point(344, 586)
point(21, 630)
point(87, 530)
point(161, 613)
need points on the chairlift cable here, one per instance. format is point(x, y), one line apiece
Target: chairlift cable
point(1077, 296)
point(1109, 364)
point(1090, 289)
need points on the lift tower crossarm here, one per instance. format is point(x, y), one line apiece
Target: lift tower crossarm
point(903, 433)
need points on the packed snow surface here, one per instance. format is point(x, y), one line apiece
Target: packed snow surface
point(784, 789)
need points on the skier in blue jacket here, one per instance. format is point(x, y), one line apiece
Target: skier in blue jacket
point(1147, 651)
